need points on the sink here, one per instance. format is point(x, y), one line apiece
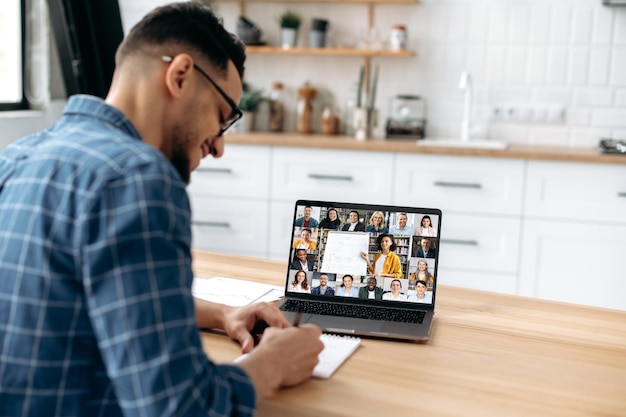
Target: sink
point(472, 143)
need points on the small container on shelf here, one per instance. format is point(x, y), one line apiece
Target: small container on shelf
point(306, 95)
point(397, 38)
point(277, 109)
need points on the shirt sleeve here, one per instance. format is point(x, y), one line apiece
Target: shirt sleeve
point(136, 266)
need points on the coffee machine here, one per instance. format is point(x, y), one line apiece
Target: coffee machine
point(407, 118)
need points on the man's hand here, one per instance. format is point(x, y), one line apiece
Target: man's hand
point(239, 322)
point(284, 357)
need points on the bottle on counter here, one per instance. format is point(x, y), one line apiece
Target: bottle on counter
point(306, 94)
point(277, 109)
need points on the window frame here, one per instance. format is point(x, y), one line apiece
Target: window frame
point(20, 105)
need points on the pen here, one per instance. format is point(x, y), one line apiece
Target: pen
point(296, 318)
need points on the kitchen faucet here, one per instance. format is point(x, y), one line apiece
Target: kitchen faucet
point(468, 128)
point(465, 84)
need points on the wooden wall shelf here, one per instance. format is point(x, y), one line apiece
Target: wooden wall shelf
point(327, 51)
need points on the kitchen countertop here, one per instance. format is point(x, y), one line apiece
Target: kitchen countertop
point(589, 155)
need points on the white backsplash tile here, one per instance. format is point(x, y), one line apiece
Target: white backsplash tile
point(579, 66)
point(515, 134)
point(516, 64)
point(620, 98)
point(478, 23)
point(519, 26)
point(557, 65)
point(581, 26)
point(586, 138)
point(609, 118)
point(537, 65)
point(552, 95)
point(477, 62)
point(560, 25)
point(600, 63)
point(619, 35)
point(577, 117)
point(458, 24)
point(496, 61)
point(540, 25)
point(618, 134)
point(498, 23)
point(618, 66)
point(603, 25)
point(549, 136)
point(594, 97)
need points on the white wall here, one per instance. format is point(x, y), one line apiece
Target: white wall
point(569, 52)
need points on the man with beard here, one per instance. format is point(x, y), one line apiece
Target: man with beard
point(371, 290)
point(96, 312)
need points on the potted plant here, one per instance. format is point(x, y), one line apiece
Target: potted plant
point(249, 104)
point(289, 23)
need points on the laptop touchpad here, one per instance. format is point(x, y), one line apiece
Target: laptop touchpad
point(344, 323)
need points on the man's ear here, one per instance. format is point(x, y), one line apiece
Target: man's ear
point(178, 74)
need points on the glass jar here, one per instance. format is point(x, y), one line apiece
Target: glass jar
point(277, 109)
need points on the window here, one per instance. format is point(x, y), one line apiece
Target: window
point(11, 55)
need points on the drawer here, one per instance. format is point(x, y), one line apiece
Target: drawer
point(230, 226)
point(590, 192)
point(470, 185)
point(480, 243)
point(335, 175)
point(484, 281)
point(243, 171)
point(280, 232)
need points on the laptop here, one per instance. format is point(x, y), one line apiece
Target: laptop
point(363, 269)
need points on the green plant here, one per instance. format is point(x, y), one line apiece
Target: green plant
point(289, 20)
point(251, 99)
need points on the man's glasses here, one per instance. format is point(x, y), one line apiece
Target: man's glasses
point(235, 114)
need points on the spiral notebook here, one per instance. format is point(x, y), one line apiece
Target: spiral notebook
point(336, 350)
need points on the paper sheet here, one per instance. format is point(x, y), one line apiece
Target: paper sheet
point(234, 292)
point(342, 253)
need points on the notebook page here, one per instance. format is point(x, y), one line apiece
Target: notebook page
point(336, 350)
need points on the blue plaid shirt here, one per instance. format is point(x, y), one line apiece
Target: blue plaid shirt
point(96, 312)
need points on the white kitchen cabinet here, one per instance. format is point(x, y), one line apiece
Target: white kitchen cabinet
point(243, 172)
point(460, 184)
point(230, 200)
point(575, 262)
point(233, 226)
point(332, 175)
point(590, 194)
point(480, 243)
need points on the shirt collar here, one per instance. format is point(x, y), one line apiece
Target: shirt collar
point(97, 108)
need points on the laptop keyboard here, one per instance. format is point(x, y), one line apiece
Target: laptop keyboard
point(355, 311)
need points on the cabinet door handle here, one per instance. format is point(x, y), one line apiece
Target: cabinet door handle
point(621, 194)
point(458, 184)
point(215, 170)
point(460, 242)
point(331, 177)
point(224, 225)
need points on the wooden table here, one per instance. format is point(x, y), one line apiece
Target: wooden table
point(489, 355)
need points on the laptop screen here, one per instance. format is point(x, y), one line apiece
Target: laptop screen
point(369, 253)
